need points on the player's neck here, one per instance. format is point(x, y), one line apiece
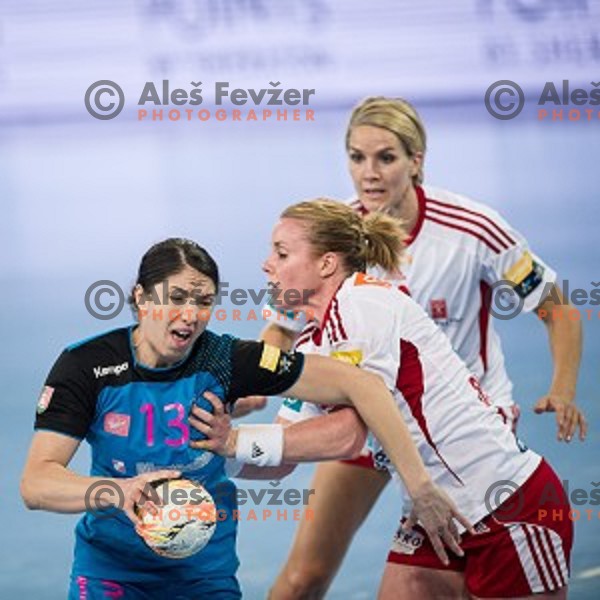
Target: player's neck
point(408, 210)
point(320, 300)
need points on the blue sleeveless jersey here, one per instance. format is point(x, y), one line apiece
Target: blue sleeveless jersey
point(135, 420)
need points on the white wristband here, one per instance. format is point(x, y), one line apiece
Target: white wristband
point(260, 445)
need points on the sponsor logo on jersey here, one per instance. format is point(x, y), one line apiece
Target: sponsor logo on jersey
point(293, 404)
point(269, 358)
point(117, 424)
point(44, 399)
point(381, 462)
point(406, 542)
point(480, 528)
point(353, 357)
point(438, 309)
point(118, 466)
point(191, 469)
point(364, 279)
point(111, 370)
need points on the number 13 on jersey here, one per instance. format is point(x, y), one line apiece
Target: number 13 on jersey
point(175, 413)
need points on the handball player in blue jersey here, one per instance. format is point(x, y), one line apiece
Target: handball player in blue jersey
point(129, 393)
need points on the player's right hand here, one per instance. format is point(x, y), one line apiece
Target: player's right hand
point(569, 416)
point(137, 491)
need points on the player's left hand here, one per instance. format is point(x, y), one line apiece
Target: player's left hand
point(568, 416)
point(436, 513)
point(216, 427)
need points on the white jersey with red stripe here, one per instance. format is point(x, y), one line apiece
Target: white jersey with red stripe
point(458, 251)
point(464, 443)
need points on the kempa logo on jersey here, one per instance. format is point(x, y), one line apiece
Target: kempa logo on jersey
point(557, 101)
point(162, 101)
point(110, 370)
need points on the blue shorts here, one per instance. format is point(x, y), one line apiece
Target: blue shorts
point(217, 588)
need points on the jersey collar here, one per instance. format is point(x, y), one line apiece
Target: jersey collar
point(412, 236)
point(317, 334)
point(156, 370)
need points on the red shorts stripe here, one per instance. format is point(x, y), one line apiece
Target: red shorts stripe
point(562, 580)
point(537, 558)
point(542, 536)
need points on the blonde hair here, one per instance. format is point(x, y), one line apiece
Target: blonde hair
point(376, 240)
point(396, 116)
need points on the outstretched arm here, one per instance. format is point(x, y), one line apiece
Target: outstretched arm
point(565, 336)
point(333, 436)
point(327, 381)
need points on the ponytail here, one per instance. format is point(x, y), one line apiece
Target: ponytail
point(375, 241)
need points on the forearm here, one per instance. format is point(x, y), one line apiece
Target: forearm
point(269, 473)
point(378, 409)
point(338, 435)
point(56, 488)
point(335, 436)
point(333, 382)
point(565, 344)
point(565, 338)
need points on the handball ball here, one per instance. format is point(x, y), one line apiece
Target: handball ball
point(185, 522)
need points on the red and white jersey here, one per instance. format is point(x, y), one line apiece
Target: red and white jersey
point(458, 251)
point(462, 440)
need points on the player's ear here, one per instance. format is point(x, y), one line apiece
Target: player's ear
point(329, 264)
point(416, 161)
